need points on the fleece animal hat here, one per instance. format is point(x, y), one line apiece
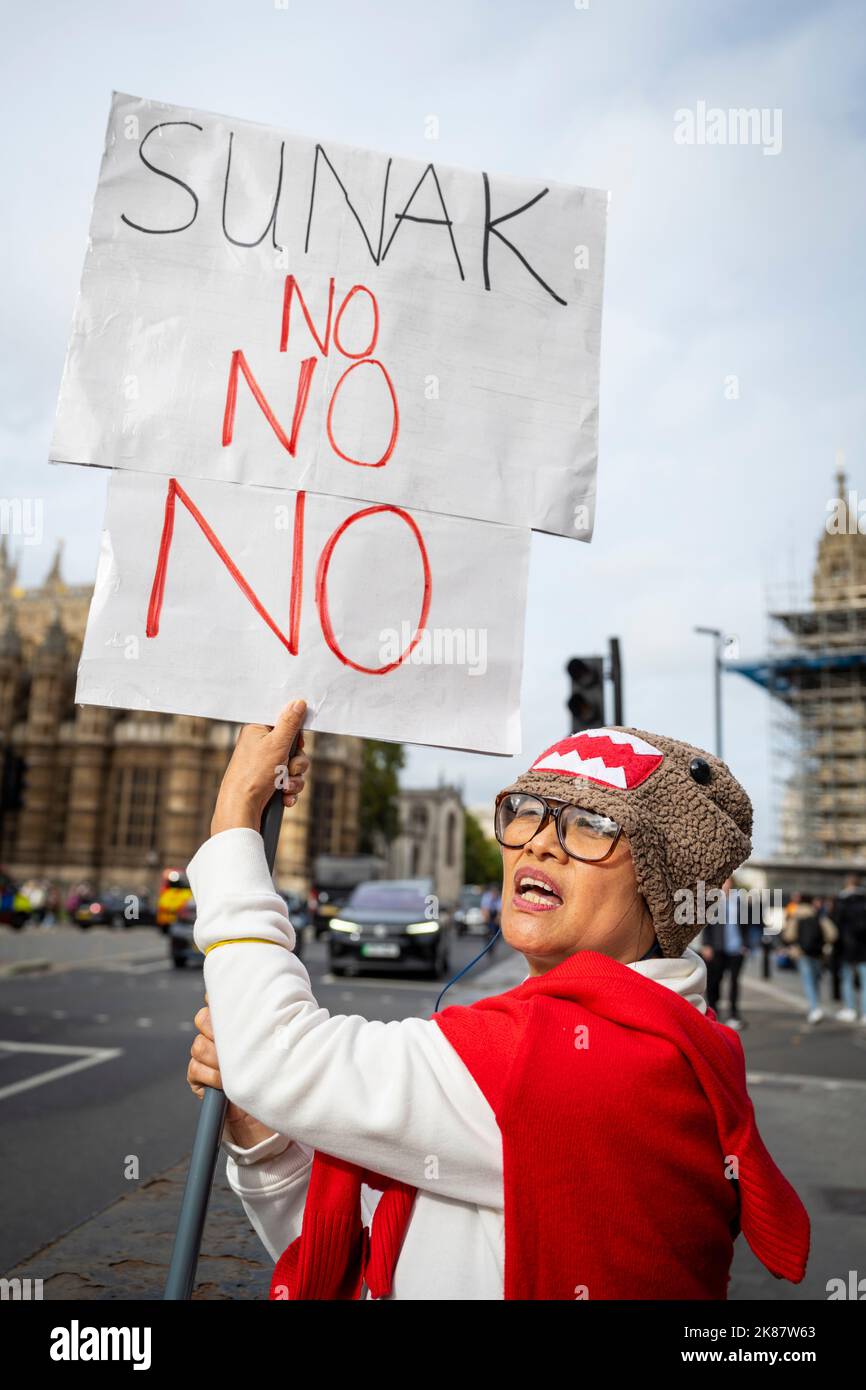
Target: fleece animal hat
point(686, 817)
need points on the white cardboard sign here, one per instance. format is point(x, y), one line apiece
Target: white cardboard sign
point(261, 308)
point(223, 600)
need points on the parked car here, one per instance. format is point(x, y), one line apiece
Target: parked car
point(116, 907)
point(181, 939)
point(388, 923)
point(469, 918)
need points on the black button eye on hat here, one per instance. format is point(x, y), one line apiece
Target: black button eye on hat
point(700, 770)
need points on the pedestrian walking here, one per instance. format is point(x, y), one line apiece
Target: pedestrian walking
point(571, 1138)
point(491, 906)
point(851, 922)
point(724, 946)
point(810, 934)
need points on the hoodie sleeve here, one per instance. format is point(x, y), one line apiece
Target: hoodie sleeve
point(393, 1097)
point(271, 1180)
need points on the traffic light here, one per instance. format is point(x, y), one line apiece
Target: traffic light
point(586, 701)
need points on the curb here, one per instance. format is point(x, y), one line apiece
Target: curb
point(26, 967)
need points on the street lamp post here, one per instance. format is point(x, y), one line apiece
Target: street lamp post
point(718, 645)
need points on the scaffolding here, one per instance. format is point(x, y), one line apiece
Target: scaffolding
point(815, 672)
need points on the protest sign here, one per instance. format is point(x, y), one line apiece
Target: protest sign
point(225, 600)
point(261, 308)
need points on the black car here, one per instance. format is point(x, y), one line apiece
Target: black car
point(181, 941)
point(391, 923)
point(116, 908)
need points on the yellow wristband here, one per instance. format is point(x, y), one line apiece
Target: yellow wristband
point(241, 940)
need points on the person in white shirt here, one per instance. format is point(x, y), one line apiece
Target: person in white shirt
point(395, 1098)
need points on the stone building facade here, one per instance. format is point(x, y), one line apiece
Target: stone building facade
point(429, 843)
point(113, 797)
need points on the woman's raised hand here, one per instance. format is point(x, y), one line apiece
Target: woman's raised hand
point(259, 766)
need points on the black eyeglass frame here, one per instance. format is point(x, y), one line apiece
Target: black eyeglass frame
point(553, 811)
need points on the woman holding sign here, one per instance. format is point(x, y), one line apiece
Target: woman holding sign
point(587, 1134)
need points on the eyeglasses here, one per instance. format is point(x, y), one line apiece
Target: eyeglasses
point(584, 835)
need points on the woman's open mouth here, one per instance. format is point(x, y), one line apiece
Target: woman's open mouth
point(535, 891)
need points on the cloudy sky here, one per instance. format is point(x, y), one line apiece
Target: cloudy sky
point(733, 336)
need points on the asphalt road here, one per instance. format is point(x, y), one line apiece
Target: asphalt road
point(93, 1057)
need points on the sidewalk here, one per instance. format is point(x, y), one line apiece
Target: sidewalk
point(784, 987)
point(35, 949)
point(508, 969)
point(782, 990)
point(123, 1253)
point(813, 1127)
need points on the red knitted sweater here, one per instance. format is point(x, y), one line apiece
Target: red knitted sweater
point(631, 1155)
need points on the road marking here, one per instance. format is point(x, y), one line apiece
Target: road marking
point(797, 1004)
point(87, 1057)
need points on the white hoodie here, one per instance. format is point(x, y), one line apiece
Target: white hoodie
point(393, 1097)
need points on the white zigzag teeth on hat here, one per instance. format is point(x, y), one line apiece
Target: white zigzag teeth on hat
point(589, 767)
